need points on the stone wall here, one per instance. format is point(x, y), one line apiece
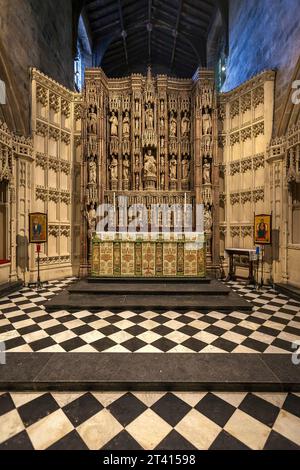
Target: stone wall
point(263, 34)
point(34, 33)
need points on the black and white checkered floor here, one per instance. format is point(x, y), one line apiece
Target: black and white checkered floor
point(271, 328)
point(165, 421)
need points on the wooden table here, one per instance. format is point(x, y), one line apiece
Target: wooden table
point(250, 253)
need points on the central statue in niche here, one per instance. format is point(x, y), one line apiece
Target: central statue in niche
point(150, 168)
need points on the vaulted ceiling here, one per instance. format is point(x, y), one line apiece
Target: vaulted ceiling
point(171, 35)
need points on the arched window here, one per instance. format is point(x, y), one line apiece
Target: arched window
point(84, 54)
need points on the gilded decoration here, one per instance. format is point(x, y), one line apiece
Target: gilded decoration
point(139, 141)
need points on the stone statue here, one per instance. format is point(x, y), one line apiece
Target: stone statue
point(185, 124)
point(185, 168)
point(137, 180)
point(162, 123)
point(92, 122)
point(91, 216)
point(207, 143)
point(173, 126)
point(126, 125)
point(162, 180)
point(162, 141)
point(150, 168)
point(137, 143)
point(137, 124)
point(173, 168)
point(114, 168)
point(206, 172)
point(113, 125)
point(126, 165)
point(207, 220)
point(162, 106)
point(137, 162)
point(207, 122)
point(137, 106)
point(149, 117)
point(207, 98)
point(92, 172)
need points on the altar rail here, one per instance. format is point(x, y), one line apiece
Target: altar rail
point(147, 257)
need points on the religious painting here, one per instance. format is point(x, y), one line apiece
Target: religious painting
point(262, 229)
point(38, 228)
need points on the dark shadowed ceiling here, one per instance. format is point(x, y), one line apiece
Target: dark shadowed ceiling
point(171, 35)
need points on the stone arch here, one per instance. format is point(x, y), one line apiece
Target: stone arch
point(11, 113)
point(289, 113)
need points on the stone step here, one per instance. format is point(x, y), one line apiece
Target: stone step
point(288, 290)
point(140, 303)
point(10, 287)
point(150, 280)
point(149, 372)
point(154, 287)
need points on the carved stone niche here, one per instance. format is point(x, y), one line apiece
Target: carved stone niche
point(258, 195)
point(65, 197)
point(235, 231)
point(66, 138)
point(65, 167)
point(246, 134)
point(54, 102)
point(54, 133)
point(54, 164)
point(222, 141)
point(247, 231)
point(41, 193)
point(246, 165)
point(54, 230)
point(41, 129)
point(54, 195)
point(41, 95)
point(246, 196)
point(235, 198)
point(65, 231)
point(234, 109)
point(77, 140)
point(41, 160)
point(222, 199)
point(235, 167)
point(234, 138)
point(222, 112)
point(222, 170)
point(78, 112)
point(223, 230)
point(258, 96)
point(246, 102)
point(207, 196)
point(258, 129)
point(65, 108)
point(258, 161)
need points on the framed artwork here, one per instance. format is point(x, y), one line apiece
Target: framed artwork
point(262, 229)
point(38, 228)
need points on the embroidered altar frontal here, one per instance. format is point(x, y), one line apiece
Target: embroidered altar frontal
point(149, 256)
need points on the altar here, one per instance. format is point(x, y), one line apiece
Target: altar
point(148, 255)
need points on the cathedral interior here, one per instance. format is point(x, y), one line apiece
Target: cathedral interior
point(149, 204)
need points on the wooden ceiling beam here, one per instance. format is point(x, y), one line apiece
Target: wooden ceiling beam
point(176, 33)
